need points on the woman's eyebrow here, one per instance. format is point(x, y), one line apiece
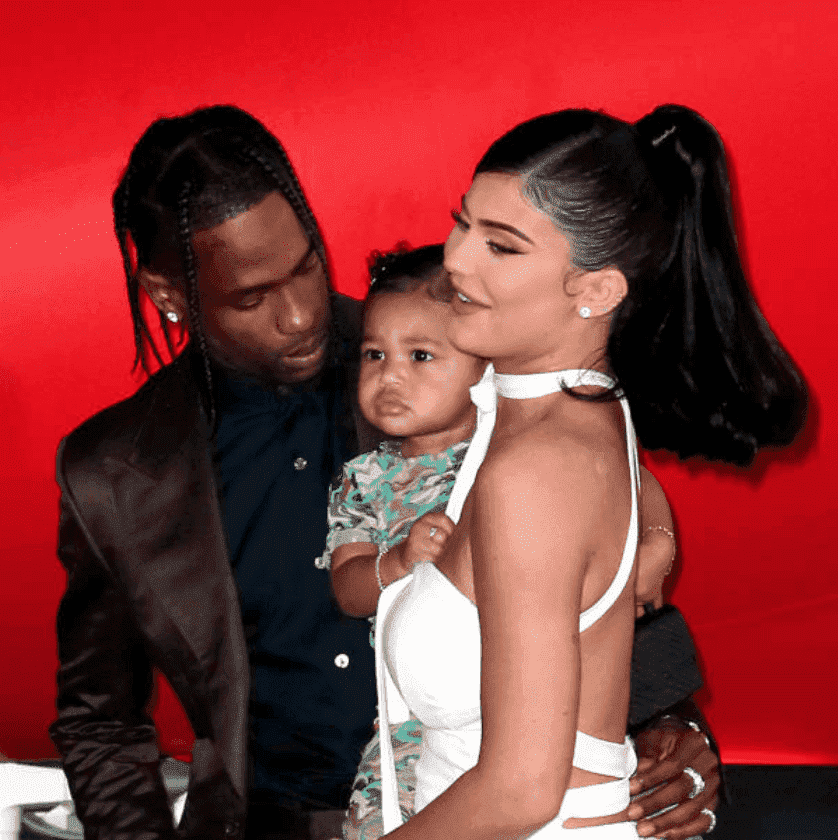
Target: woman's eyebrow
point(490, 223)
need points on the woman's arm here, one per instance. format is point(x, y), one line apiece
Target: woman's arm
point(656, 549)
point(530, 544)
point(668, 744)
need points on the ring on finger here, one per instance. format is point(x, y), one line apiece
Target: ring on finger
point(432, 532)
point(713, 820)
point(696, 728)
point(698, 782)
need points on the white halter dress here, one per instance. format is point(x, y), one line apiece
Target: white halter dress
point(427, 651)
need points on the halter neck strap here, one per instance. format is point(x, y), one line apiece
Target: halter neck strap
point(532, 385)
point(484, 395)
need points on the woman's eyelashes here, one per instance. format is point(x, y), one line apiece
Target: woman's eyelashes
point(495, 247)
point(459, 221)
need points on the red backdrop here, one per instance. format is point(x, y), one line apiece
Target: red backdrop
point(385, 107)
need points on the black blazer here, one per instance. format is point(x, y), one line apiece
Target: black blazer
point(150, 585)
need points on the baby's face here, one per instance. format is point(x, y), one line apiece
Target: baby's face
point(413, 383)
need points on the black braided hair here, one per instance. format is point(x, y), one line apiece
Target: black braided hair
point(190, 173)
point(292, 192)
point(190, 274)
point(143, 340)
point(703, 371)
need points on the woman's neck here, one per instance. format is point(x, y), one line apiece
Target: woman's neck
point(585, 348)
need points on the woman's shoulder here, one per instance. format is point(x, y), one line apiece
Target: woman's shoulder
point(556, 459)
point(536, 466)
point(558, 439)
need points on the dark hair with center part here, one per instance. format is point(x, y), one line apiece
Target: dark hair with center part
point(190, 173)
point(702, 370)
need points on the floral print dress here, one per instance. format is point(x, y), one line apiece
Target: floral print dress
point(379, 497)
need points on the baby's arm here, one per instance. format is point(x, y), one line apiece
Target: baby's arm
point(656, 549)
point(354, 579)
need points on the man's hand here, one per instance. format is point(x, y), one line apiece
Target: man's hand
point(663, 752)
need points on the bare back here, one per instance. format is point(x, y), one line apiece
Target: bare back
point(551, 508)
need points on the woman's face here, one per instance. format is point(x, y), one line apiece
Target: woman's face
point(509, 266)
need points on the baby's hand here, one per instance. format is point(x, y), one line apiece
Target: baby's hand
point(427, 538)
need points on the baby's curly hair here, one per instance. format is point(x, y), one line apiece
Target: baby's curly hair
point(404, 270)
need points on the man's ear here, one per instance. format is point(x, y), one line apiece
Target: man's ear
point(602, 291)
point(166, 295)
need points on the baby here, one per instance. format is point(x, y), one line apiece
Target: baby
point(386, 514)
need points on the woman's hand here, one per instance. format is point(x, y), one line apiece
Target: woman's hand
point(664, 752)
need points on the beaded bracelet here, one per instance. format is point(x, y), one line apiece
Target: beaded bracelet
point(381, 552)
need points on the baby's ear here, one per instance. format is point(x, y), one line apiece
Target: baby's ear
point(602, 291)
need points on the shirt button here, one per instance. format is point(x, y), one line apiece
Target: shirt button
point(300, 463)
point(321, 562)
point(342, 660)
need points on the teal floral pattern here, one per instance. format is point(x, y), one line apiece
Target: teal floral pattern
point(363, 820)
point(381, 494)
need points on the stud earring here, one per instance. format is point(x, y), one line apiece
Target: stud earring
point(585, 311)
point(172, 316)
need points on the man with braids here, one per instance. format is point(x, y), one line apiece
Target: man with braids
point(193, 517)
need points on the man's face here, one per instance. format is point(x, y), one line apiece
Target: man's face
point(264, 294)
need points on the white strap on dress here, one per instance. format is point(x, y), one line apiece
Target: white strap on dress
point(485, 398)
point(391, 709)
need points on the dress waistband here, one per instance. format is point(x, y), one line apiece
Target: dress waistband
point(604, 757)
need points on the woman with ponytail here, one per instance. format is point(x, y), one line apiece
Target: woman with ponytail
point(595, 264)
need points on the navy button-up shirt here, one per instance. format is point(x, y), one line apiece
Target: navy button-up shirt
point(312, 673)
